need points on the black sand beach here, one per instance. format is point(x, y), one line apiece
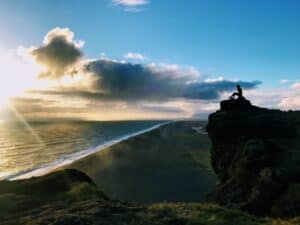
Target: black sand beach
point(171, 163)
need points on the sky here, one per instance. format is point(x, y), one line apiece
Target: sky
point(146, 59)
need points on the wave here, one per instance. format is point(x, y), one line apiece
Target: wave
point(66, 160)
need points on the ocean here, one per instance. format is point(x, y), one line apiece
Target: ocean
point(38, 147)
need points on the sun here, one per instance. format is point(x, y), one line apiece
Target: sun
point(17, 74)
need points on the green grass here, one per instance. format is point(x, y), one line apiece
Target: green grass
point(82, 204)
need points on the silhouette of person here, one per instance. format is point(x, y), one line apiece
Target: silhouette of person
point(239, 92)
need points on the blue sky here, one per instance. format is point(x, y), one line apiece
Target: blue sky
point(248, 41)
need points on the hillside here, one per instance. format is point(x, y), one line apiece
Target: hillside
point(70, 197)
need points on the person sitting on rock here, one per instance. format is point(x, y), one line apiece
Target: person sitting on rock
point(239, 93)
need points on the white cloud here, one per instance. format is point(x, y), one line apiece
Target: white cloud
point(284, 81)
point(130, 3)
point(135, 56)
point(265, 97)
point(287, 98)
point(296, 86)
point(65, 33)
point(291, 102)
point(291, 98)
point(211, 80)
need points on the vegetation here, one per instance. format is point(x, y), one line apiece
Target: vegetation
point(70, 197)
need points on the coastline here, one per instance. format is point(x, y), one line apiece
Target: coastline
point(65, 161)
point(169, 164)
point(69, 196)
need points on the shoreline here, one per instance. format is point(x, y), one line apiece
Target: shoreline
point(65, 161)
point(169, 164)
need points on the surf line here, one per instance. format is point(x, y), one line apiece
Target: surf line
point(47, 168)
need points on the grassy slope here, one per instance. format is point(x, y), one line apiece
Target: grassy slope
point(67, 197)
point(168, 164)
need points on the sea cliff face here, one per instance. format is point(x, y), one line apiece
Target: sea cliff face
point(255, 153)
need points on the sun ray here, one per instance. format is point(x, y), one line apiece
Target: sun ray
point(26, 124)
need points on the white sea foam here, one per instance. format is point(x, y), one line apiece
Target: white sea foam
point(46, 168)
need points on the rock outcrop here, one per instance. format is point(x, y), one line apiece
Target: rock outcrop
point(255, 153)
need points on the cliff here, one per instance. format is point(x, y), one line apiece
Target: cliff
point(255, 153)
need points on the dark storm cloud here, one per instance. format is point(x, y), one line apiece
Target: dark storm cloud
point(126, 81)
point(133, 81)
point(212, 90)
point(58, 53)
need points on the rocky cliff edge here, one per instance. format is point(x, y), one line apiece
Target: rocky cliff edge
point(255, 153)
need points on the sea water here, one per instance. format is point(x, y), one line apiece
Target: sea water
point(38, 147)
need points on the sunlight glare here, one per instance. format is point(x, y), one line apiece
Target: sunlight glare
point(18, 73)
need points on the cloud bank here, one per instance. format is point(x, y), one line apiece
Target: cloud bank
point(126, 81)
point(108, 79)
point(105, 88)
point(291, 98)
